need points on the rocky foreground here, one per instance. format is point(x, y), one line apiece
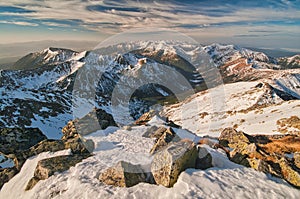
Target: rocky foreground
point(171, 154)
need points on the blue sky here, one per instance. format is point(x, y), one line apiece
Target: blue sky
point(269, 23)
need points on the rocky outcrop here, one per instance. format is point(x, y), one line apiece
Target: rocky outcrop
point(95, 120)
point(266, 153)
point(170, 162)
point(13, 140)
point(125, 174)
point(21, 144)
point(47, 167)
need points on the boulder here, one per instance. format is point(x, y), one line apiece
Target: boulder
point(97, 119)
point(163, 137)
point(13, 140)
point(125, 174)
point(204, 159)
point(47, 167)
point(231, 137)
point(79, 145)
point(171, 161)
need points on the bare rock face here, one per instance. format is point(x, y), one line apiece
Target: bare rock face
point(170, 162)
point(125, 174)
point(47, 167)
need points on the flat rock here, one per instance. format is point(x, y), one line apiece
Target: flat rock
point(47, 167)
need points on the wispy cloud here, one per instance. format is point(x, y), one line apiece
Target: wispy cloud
point(19, 23)
point(236, 18)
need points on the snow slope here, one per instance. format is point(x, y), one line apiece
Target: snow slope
point(224, 180)
point(208, 112)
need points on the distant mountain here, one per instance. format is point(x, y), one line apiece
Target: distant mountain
point(50, 85)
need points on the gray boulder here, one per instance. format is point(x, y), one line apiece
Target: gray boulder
point(170, 162)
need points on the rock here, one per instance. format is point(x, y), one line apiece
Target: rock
point(163, 137)
point(170, 162)
point(7, 174)
point(204, 159)
point(146, 117)
point(125, 174)
point(47, 167)
point(290, 173)
point(13, 140)
point(231, 137)
point(297, 159)
point(95, 120)
point(80, 145)
point(266, 153)
point(150, 132)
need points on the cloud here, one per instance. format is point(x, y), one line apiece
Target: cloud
point(235, 18)
point(19, 23)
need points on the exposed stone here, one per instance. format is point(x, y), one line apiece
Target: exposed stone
point(150, 132)
point(290, 173)
point(47, 167)
point(231, 137)
point(204, 159)
point(13, 140)
point(125, 174)
point(163, 137)
point(7, 174)
point(95, 120)
point(146, 117)
point(79, 145)
point(170, 162)
point(265, 153)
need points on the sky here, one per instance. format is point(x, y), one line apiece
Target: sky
point(257, 23)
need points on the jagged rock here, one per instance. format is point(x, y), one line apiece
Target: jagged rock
point(204, 159)
point(79, 145)
point(265, 153)
point(13, 140)
point(170, 162)
point(163, 137)
point(290, 172)
point(7, 174)
point(125, 174)
point(231, 137)
point(146, 117)
point(47, 167)
point(95, 120)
